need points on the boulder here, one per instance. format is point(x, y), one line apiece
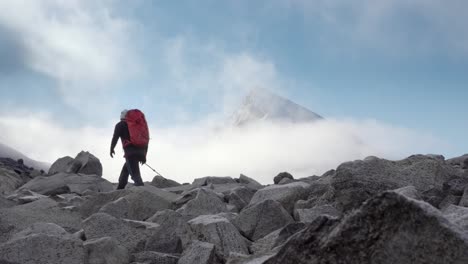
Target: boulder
point(220, 232)
point(205, 181)
point(464, 199)
point(174, 223)
point(285, 181)
point(457, 215)
point(60, 165)
point(275, 238)
point(409, 192)
point(164, 240)
point(287, 194)
point(130, 234)
point(455, 186)
point(50, 229)
point(262, 218)
point(65, 183)
point(278, 178)
point(10, 181)
point(105, 250)
point(308, 215)
point(151, 257)
point(6, 203)
point(85, 163)
point(45, 210)
point(206, 202)
point(460, 162)
point(354, 182)
point(43, 249)
point(94, 202)
point(161, 182)
point(249, 182)
point(240, 197)
point(138, 204)
point(388, 228)
point(198, 252)
point(25, 196)
point(450, 199)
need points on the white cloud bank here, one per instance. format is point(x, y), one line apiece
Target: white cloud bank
point(260, 151)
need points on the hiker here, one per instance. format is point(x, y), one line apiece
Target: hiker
point(133, 132)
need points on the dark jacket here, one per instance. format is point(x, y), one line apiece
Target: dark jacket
point(121, 131)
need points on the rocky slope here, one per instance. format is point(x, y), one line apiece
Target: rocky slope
point(8, 152)
point(366, 211)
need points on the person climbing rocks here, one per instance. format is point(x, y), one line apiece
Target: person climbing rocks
point(134, 134)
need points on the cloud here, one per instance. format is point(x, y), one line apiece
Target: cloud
point(82, 45)
point(395, 26)
point(190, 151)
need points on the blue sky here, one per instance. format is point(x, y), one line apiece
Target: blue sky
point(402, 63)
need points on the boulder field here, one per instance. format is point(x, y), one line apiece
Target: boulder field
point(374, 210)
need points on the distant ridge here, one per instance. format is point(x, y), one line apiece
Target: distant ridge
point(9, 152)
point(261, 104)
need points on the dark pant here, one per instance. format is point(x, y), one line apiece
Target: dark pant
point(132, 168)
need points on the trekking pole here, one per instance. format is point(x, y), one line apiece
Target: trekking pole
point(153, 169)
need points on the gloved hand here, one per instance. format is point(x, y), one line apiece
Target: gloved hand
point(112, 153)
point(143, 161)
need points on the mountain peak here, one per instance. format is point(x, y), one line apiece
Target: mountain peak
point(261, 104)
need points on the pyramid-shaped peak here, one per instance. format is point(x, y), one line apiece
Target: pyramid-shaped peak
point(261, 104)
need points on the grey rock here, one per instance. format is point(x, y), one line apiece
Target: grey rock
point(278, 178)
point(151, 257)
point(249, 182)
point(455, 186)
point(205, 181)
point(105, 250)
point(450, 199)
point(174, 223)
point(45, 210)
point(65, 183)
point(457, 215)
point(308, 215)
point(275, 238)
point(43, 249)
point(130, 234)
point(433, 196)
point(355, 182)
point(388, 228)
point(287, 194)
point(85, 163)
point(464, 199)
point(165, 241)
point(409, 192)
point(461, 162)
point(240, 197)
point(285, 181)
point(6, 203)
point(198, 252)
point(94, 202)
point(10, 181)
point(161, 182)
point(260, 219)
point(138, 204)
point(60, 165)
point(220, 232)
point(205, 202)
point(42, 228)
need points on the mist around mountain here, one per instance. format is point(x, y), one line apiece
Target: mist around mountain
point(261, 104)
point(9, 152)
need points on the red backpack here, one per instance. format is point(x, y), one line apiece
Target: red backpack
point(138, 129)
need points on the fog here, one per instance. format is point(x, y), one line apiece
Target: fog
point(260, 150)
